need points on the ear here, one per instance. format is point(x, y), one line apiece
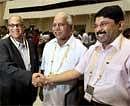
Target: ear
point(121, 25)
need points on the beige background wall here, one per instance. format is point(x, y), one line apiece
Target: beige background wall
point(2, 9)
point(43, 19)
point(44, 24)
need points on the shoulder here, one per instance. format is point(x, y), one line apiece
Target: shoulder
point(79, 44)
point(5, 45)
point(5, 41)
point(77, 47)
point(126, 45)
point(50, 43)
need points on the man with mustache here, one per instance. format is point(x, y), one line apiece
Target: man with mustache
point(106, 65)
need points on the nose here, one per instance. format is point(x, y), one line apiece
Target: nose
point(98, 28)
point(15, 27)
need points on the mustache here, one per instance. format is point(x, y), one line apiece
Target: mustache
point(103, 32)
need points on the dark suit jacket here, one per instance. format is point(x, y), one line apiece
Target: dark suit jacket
point(15, 82)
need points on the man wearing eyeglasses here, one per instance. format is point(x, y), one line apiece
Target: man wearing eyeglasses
point(18, 66)
point(106, 65)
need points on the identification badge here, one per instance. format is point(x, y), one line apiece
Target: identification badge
point(90, 89)
point(89, 92)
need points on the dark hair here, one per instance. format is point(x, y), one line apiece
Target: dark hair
point(113, 12)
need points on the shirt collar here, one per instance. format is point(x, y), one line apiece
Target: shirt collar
point(115, 44)
point(68, 42)
point(17, 44)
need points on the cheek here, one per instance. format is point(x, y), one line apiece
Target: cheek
point(53, 29)
point(67, 30)
point(95, 29)
point(10, 30)
point(21, 31)
point(111, 31)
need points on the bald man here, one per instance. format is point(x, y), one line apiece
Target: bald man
point(18, 62)
point(60, 54)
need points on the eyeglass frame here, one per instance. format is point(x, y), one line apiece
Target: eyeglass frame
point(103, 24)
point(15, 25)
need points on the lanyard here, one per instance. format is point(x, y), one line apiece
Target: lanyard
point(94, 59)
point(92, 66)
point(62, 60)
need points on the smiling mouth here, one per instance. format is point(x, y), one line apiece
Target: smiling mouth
point(100, 35)
point(57, 33)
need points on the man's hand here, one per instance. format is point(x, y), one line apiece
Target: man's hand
point(37, 79)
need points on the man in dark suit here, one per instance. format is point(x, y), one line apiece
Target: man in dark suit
point(18, 66)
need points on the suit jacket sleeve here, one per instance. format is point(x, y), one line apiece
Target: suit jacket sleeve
point(12, 64)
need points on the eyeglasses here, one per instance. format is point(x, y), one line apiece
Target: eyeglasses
point(15, 25)
point(103, 24)
point(59, 25)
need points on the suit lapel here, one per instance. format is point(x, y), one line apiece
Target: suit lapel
point(16, 53)
point(33, 56)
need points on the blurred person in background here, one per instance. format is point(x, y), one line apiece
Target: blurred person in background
point(4, 32)
point(44, 38)
point(35, 36)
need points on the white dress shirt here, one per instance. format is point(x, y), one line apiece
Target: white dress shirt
point(56, 60)
point(110, 72)
point(24, 51)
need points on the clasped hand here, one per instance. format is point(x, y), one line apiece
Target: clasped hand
point(39, 80)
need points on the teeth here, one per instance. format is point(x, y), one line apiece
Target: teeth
point(100, 35)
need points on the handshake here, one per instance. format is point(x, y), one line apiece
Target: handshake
point(39, 80)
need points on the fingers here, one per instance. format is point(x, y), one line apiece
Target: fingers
point(36, 79)
point(39, 80)
point(48, 80)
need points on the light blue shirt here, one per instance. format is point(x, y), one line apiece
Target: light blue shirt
point(23, 48)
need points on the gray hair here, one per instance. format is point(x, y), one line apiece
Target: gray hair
point(16, 16)
point(66, 16)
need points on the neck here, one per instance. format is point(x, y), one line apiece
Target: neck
point(19, 39)
point(104, 46)
point(62, 42)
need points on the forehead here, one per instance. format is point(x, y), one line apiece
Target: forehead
point(59, 19)
point(102, 19)
point(14, 19)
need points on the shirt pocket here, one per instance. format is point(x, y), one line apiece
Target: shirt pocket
point(111, 74)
